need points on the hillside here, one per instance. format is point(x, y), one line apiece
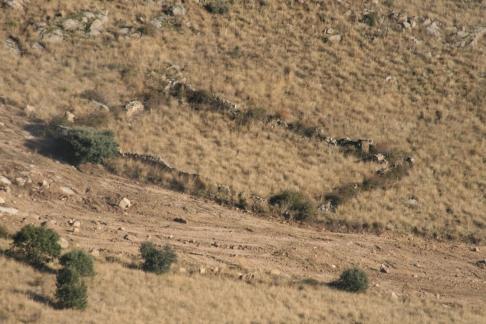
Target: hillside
point(374, 111)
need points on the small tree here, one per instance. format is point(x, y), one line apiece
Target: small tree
point(37, 244)
point(71, 290)
point(157, 260)
point(84, 144)
point(293, 204)
point(353, 280)
point(80, 261)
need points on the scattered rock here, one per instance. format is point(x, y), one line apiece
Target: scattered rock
point(176, 10)
point(125, 204)
point(202, 270)
point(5, 181)
point(69, 116)
point(14, 4)
point(97, 26)
point(384, 268)
point(74, 223)
point(133, 108)
point(182, 270)
point(433, 29)
point(53, 36)
point(14, 45)
point(180, 220)
point(8, 210)
point(20, 181)
point(129, 237)
point(95, 252)
point(481, 263)
point(29, 110)
point(334, 38)
point(2, 201)
point(394, 296)
point(475, 249)
point(67, 191)
point(71, 25)
point(49, 223)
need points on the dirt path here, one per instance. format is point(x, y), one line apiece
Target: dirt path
point(216, 237)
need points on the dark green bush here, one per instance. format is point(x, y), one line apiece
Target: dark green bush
point(84, 144)
point(219, 7)
point(80, 261)
point(157, 260)
point(353, 280)
point(37, 244)
point(71, 290)
point(293, 205)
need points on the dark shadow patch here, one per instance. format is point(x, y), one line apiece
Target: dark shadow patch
point(20, 258)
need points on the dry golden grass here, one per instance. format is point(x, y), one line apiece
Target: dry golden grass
point(417, 92)
point(132, 296)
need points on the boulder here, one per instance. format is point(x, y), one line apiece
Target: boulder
point(125, 204)
point(8, 210)
point(133, 108)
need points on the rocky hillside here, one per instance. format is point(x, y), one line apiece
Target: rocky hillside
point(265, 125)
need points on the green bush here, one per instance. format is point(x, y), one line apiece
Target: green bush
point(84, 144)
point(219, 7)
point(71, 290)
point(80, 261)
point(293, 205)
point(37, 244)
point(353, 280)
point(157, 260)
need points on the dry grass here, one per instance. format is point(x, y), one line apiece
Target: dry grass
point(131, 296)
point(424, 97)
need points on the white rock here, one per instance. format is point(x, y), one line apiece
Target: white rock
point(5, 181)
point(334, 38)
point(433, 29)
point(54, 36)
point(71, 24)
point(133, 108)
point(67, 191)
point(8, 210)
point(70, 117)
point(95, 252)
point(20, 181)
point(125, 203)
point(97, 25)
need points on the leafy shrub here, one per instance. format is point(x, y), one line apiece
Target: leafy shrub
point(37, 244)
point(219, 7)
point(71, 290)
point(84, 144)
point(157, 260)
point(353, 280)
point(294, 204)
point(80, 261)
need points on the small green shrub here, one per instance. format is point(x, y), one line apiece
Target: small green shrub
point(84, 144)
point(80, 261)
point(157, 260)
point(294, 205)
point(37, 244)
point(353, 280)
point(71, 290)
point(219, 7)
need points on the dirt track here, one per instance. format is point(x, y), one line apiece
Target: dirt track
point(223, 241)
